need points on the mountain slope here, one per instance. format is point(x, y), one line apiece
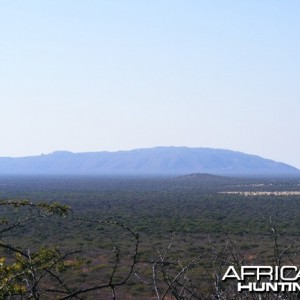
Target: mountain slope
point(152, 161)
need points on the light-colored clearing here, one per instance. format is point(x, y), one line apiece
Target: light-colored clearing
point(276, 193)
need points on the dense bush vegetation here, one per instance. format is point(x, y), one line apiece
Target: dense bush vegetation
point(189, 233)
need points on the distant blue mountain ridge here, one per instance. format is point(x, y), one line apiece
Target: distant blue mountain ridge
point(150, 161)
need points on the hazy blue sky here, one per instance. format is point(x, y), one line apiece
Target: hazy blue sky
point(116, 75)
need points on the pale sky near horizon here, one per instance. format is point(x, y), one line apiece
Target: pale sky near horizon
point(116, 75)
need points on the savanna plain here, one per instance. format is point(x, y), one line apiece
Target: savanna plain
point(151, 237)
